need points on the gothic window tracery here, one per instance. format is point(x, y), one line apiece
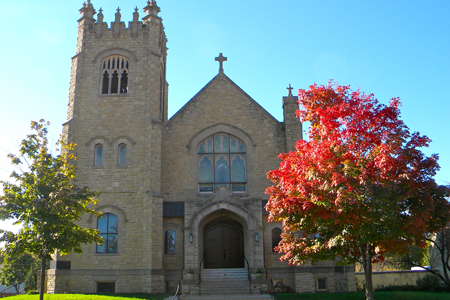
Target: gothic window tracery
point(115, 70)
point(108, 227)
point(222, 161)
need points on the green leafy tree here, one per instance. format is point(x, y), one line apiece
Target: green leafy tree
point(435, 259)
point(359, 188)
point(21, 269)
point(45, 200)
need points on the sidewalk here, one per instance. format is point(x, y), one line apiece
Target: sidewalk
point(218, 297)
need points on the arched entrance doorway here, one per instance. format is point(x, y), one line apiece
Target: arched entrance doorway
point(223, 244)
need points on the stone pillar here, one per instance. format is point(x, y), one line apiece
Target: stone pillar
point(292, 124)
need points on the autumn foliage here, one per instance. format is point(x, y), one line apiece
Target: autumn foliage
point(359, 187)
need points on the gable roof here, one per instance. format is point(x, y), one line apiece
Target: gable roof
point(211, 82)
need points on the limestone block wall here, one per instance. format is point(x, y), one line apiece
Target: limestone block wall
point(64, 280)
point(174, 261)
point(220, 102)
point(304, 283)
point(389, 278)
point(131, 191)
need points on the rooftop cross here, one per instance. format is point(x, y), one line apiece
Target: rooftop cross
point(290, 90)
point(221, 59)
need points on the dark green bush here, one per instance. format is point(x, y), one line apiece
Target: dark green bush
point(431, 283)
point(398, 288)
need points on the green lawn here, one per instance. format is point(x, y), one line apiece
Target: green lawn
point(361, 296)
point(91, 297)
point(317, 296)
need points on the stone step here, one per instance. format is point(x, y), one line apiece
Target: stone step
point(234, 297)
point(224, 282)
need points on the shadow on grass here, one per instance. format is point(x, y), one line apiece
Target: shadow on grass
point(138, 296)
point(361, 296)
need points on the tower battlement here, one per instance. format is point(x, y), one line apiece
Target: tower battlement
point(88, 23)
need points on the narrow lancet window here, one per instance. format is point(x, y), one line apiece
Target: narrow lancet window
point(170, 242)
point(122, 154)
point(276, 238)
point(108, 227)
point(114, 75)
point(105, 83)
point(98, 155)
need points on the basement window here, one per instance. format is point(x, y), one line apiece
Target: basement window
point(106, 287)
point(321, 284)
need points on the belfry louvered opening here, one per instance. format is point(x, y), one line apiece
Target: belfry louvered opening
point(115, 70)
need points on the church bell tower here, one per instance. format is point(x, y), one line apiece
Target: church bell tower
point(117, 107)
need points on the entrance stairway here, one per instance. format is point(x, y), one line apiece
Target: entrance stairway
point(225, 282)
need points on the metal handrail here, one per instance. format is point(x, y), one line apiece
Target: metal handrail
point(176, 293)
point(200, 272)
point(17, 283)
point(274, 291)
point(249, 275)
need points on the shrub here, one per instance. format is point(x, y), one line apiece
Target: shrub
point(431, 283)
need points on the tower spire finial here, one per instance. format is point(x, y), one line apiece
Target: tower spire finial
point(151, 9)
point(87, 12)
point(221, 59)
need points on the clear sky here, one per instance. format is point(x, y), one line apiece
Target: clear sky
point(392, 48)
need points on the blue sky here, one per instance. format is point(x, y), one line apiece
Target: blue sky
point(390, 48)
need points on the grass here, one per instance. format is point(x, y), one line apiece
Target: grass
point(361, 296)
point(92, 297)
point(317, 296)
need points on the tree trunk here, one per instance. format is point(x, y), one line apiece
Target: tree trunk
point(42, 285)
point(366, 256)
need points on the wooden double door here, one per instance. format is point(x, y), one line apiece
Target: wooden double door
point(223, 247)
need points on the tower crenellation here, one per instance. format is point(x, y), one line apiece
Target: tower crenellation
point(87, 21)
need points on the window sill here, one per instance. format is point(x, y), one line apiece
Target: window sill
point(113, 95)
point(207, 194)
point(107, 254)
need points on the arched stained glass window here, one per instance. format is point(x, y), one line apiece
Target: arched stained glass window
point(222, 161)
point(169, 242)
point(107, 225)
point(115, 75)
point(276, 238)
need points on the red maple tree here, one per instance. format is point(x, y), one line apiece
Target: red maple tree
point(359, 187)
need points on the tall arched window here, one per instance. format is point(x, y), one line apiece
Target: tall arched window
point(276, 238)
point(108, 227)
point(121, 160)
point(222, 161)
point(98, 156)
point(115, 75)
point(169, 242)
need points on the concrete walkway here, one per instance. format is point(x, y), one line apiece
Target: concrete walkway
point(218, 297)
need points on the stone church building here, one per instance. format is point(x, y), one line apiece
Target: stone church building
point(180, 197)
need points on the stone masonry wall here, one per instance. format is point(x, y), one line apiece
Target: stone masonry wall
point(133, 191)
